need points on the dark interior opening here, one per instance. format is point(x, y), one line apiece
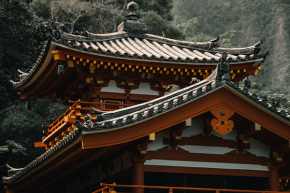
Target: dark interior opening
point(201, 181)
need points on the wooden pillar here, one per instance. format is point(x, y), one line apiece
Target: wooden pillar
point(273, 179)
point(127, 94)
point(97, 91)
point(138, 175)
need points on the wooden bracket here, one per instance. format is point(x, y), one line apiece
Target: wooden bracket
point(248, 131)
point(245, 134)
point(207, 129)
point(144, 145)
point(177, 132)
point(282, 148)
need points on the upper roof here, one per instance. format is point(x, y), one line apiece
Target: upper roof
point(132, 42)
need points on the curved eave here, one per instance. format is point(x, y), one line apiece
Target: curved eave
point(62, 146)
point(228, 94)
point(37, 69)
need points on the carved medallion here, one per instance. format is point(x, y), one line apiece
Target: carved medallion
point(221, 123)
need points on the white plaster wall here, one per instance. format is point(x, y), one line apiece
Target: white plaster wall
point(144, 88)
point(94, 177)
point(257, 148)
point(232, 135)
point(102, 175)
point(126, 163)
point(196, 164)
point(195, 128)
point(158, 143)
point(206, 149)
point(112, 87)
point(117, 166)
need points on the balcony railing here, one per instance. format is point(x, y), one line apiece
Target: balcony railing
point(64, 124)
point(83, 105)
point(58, 122)
point(109, 188)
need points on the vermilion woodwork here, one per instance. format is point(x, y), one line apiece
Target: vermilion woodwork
point(142, 147)
point(231, 157)
point(138, 174)
point(282, 148)
point(205, 171)
point(201, 140)
point(39, 144)
point(252, 129)
point(245, 134)
point(170, 188)
point(207, 128)
point(222, 124)
point(222, 97)
point(273, 179)
point(176, 134)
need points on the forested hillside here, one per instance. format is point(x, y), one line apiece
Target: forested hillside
point(267, 20)
point(238, 23)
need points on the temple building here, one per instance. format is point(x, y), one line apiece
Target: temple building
point(125, 131)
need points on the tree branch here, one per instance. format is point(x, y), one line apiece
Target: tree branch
point(125, 3)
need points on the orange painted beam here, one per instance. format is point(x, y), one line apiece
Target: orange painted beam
point(222, 96)
point(39, 144)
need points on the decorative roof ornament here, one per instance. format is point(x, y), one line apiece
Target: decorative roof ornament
point(60, 69)
point(248, 83)
point(224, 70)
point(132, 7)
point(132, 24)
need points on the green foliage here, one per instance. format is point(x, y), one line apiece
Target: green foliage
point(266, 20)
point(226, 38)
point(12, 147)
point(161, 7)
point(21, 35)
point(24, 126)
point(159, 26)
point(41, 8)
point(199, 37)
point(281, 101)
point(184, 26)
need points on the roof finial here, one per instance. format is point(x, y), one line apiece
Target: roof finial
point(132, 7)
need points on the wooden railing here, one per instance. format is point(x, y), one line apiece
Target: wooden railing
point(58, 122)
point(109, 188)
point(102, 105)
point(76, 112)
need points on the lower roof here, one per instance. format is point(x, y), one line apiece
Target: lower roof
point(130, 117)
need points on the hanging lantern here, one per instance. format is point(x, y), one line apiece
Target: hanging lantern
point(60, 69)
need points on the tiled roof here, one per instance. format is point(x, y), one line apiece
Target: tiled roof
point(26, 77)
point(148, 46)
point(136, 114)
point(143, 46)
point(65, 142)
point(142, 112)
